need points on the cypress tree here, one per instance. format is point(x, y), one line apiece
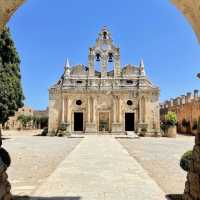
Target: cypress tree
point(11, 94)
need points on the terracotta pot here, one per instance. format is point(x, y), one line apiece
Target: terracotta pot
point(171, 132)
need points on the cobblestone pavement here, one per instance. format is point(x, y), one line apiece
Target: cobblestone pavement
point(34, 158)
point(160, 157)
point(99, 168)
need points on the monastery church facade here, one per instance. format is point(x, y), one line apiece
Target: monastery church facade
point(92, 101)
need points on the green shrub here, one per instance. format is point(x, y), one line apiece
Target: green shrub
point(185, 160)
point(24, 120)
point(170, 119)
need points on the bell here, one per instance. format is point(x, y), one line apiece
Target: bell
point(110, 59)
point(98, 57)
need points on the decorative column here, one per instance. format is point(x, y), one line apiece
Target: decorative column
point(91, 126)
point(91, 63)
point(91, 109)
point(114, 110)
point(104, 66)
point(94, 110)
point(117, 70)
point(116, 126)
point(63, 109)
point(68, 115)
point(142, 114)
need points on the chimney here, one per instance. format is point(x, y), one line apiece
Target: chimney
point(171, 102)
point(196, 94)
point(189, 97)
point(183, 99)
point(178, 100)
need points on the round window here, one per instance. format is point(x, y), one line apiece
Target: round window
point(129, 102)
point(78, 102)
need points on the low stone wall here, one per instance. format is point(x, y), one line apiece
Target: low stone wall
point(192, 186)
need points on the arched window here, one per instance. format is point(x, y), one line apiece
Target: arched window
point(97, 62)
point(110, 62)
point(104, 35)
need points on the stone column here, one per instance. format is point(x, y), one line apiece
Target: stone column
point(117, 71)
point(103, 67)
point(91, 126)
point(63, 109)
point(114, 110)
point(116, 126)
point(118, 110)
point(88, 110)
point(192, 186)
point(69, 121)
point(94, 110)
point(91, 64)
point(66, 110)
point(91, 109)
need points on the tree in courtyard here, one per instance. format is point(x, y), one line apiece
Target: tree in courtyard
point(11, 94)
point(25, 120)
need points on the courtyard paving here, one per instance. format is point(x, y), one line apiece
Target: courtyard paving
point(34, 158)
point(96, 167)
point(160, 157)
point(99, 168)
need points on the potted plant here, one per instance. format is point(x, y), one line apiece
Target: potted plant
point(170, 124)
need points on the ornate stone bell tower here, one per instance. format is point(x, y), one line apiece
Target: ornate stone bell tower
point(104, 51)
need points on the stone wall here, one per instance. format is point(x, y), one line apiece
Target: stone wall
point(192, 186)
point(187, 108)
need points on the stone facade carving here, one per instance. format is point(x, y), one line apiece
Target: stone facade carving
point(100, 100)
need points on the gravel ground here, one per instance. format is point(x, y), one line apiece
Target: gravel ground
point(160, 157)
point(34, 158)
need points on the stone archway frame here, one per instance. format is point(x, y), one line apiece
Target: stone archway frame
point(191, 10)
point(7, 9)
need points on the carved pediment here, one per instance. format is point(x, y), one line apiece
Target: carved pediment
point(79, 70)
point(130, 70)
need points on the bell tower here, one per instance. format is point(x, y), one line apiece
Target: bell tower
point(104, 52)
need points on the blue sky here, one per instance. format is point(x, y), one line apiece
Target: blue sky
point(48, 31)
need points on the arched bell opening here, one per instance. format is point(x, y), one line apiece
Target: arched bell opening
point(97, 62)
point(110, 64)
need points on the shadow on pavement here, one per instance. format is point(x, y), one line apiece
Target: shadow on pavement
point(174, 196)
point(45, 198)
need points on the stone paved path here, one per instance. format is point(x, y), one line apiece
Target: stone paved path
point(99, 168)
